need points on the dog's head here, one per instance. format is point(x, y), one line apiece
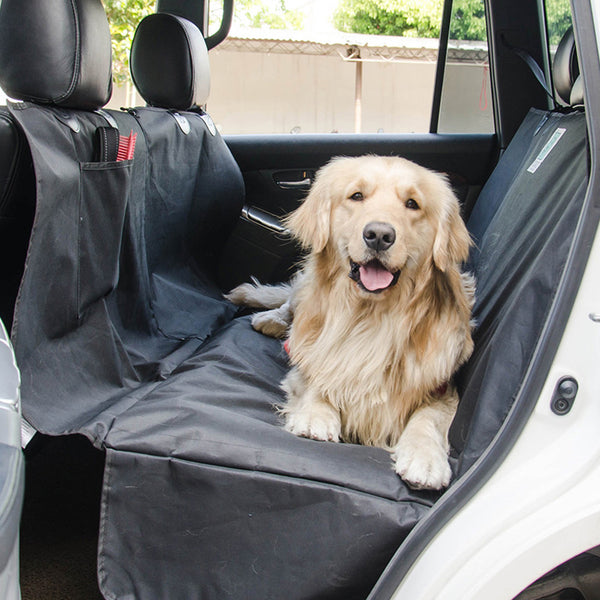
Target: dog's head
point(381, 216)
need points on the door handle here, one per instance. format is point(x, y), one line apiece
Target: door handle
point(294, 180)
point(303, 184)
point(264, 219)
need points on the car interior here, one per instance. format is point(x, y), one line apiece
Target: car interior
point(159, 460)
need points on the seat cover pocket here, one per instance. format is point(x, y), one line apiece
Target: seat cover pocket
point(102, 204)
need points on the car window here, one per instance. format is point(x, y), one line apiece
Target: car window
point(123, 18)
point(320, 66)
point(466, 100)
point(558, 20)
point(328, 66)
point(364, 66)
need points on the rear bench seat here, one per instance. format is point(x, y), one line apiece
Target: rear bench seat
point(122, 335)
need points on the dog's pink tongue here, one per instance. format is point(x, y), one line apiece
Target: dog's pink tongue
point(374, 276)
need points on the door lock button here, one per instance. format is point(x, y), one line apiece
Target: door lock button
point(564, 395)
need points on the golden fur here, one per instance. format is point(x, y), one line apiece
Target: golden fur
point(373, 360)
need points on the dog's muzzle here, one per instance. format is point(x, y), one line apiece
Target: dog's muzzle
point(373, 276)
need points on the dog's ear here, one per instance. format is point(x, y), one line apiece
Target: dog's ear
point(452, 241)
point(309, 223)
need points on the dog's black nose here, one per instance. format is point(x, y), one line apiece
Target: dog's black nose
point(379, 236)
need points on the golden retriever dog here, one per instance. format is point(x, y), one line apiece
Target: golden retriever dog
point(379, 317)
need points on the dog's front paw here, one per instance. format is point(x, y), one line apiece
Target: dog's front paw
point(324, 426)
point(423, 466)
point(274, 323)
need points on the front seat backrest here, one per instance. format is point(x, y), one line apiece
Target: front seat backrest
point(169, 62)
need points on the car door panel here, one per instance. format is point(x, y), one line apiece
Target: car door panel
point(278, 171)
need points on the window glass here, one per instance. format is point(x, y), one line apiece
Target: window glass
point(558, 20)
point(323, 66)
point(123, 18)
point(466, 103)
point(320, 66)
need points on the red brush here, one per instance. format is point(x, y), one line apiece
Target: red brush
point(126, 146)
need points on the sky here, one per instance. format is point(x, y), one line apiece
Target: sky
point(318, 13)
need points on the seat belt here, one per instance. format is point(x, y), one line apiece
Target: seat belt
point(534, 67)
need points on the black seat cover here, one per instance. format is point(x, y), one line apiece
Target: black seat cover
point(119, 283)
point(520, 254)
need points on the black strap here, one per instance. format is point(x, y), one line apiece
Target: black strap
point(537, 71)
point(106, 144)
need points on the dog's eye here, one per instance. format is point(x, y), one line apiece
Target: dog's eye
point(412, 204)
point(357, 196)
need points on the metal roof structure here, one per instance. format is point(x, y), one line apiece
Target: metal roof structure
point(352, 47)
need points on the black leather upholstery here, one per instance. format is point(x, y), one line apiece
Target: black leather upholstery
point(565, 69)
point(169, 62)
point(66, 64)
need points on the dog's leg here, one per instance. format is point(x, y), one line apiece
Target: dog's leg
point(306, 413)
point(279, 298)
point(421, 455)
point(274, 323)
point(257, 295)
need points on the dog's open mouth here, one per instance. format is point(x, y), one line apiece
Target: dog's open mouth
point(373, 276)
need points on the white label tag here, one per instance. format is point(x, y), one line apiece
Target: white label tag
point(533, 167)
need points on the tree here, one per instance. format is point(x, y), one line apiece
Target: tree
point(411, 18)
point(271, 14)
point(468, 20)
point(123, 17)
point(558, 17)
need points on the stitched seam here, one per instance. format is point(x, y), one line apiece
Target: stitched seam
point(77, 64)
point(78, 306)
point(105, 145)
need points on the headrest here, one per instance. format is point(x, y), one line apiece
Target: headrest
point(169, 62)
point(577, 92)
point(565, 68)
point(56, 52)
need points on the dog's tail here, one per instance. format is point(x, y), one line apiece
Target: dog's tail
point(257, 295)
